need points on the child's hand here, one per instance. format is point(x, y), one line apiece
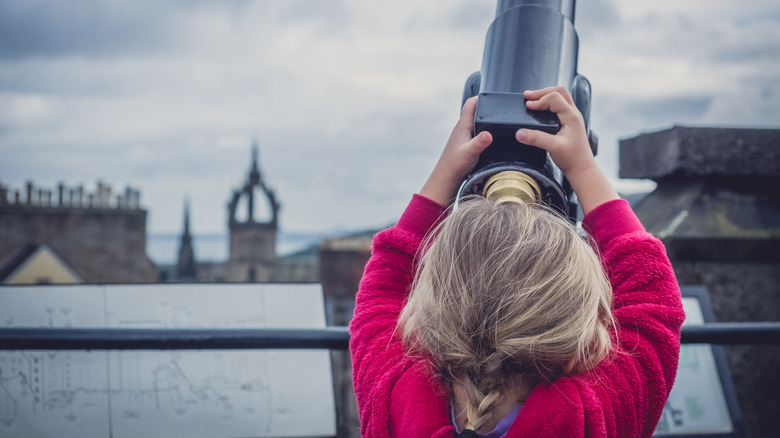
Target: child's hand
point(569, 148)
point(460, 155)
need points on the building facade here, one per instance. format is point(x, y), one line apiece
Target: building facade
point(100, 237)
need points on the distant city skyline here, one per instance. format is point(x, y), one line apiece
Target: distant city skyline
point(163, 248)
point(350, 101)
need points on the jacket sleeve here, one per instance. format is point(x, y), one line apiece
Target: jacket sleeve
point(633, 386)
point(378, 359)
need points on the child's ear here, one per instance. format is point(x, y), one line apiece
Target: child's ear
point(570, 366)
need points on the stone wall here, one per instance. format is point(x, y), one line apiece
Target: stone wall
point(341, 265)
point(102, 241)
point(252, 242)
point(717, 210)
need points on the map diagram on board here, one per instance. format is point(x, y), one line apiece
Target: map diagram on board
point(243, 393)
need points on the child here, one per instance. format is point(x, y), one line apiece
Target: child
point(502, 322)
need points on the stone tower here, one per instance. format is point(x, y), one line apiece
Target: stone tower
point(186, 268)
point(252, 241)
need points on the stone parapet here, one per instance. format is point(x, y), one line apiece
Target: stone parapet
point(701, 152)
point(717, 210)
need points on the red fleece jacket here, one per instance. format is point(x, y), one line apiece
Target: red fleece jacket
point(622, 397)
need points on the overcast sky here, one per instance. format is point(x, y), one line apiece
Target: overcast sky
point(350, 100)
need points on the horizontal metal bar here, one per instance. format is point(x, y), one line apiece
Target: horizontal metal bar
point(331, 338)
point(733, 333)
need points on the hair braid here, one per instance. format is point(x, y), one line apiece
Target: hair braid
point(480, 404)
point(484, 388)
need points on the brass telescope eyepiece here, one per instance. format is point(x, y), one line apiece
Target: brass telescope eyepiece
point(512, 186)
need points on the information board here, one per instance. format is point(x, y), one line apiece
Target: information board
point(231, 394)
point(702, 401)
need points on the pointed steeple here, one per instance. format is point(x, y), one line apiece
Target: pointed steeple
point(187, 216)
point(247, 193)
point(186, 268)
point(254, 172)
point(253, 240)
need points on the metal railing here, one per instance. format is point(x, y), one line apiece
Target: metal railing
point(332, 338)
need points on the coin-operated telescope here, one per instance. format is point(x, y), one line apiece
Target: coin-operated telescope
point(530, 45)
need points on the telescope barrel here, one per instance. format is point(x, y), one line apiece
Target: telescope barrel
point(530, 45)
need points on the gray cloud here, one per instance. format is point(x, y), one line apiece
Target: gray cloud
point(472, 14)
point(758, 42)
point(329, 15)
point(82, 28)
point(668, 109)
point(683, 36)
point(351, 101)
point(596, 16)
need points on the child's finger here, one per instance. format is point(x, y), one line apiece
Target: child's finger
point(556, 103)
point(538, 94)
point(469, 107)
point(536, 138)
point(479, 143)
point(468, 111)
point(465, 124)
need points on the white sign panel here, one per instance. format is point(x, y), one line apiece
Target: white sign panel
point(697, 404)
point(245, 393)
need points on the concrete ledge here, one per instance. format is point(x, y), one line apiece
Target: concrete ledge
point(701, 152)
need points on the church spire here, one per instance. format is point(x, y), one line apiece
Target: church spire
point(186, 268)
point(254, 172)
point(187, 216)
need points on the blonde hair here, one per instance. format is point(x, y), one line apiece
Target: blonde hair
point(506, 294)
